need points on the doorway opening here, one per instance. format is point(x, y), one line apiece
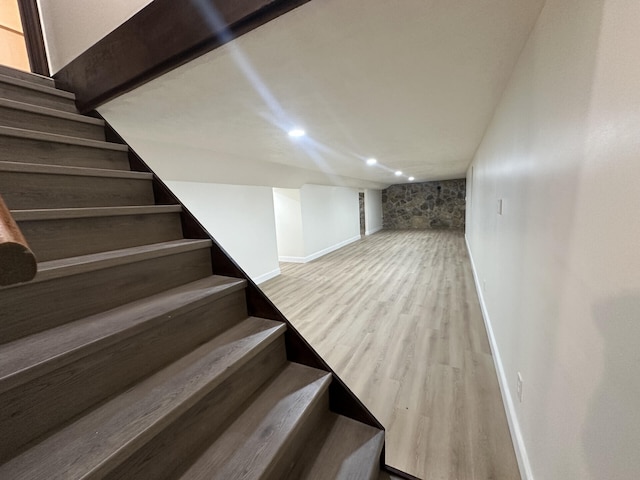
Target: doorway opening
point(21, 40)
point(362, 221)
point(13, 49)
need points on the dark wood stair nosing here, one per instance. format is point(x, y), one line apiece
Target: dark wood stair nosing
point(39, 136)
point(121, 322)
point(98, 261)
point(18, 82)
point(91, 212)
point(27, 76)
point(37, 168)
point(50, 112)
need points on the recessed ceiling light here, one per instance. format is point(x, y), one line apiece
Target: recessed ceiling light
point(297, 132)
point(398, 173)
point(371, 161)
point(411, 179)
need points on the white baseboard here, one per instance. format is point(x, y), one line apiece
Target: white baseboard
point(286, 259)
point(330, 249)
point(373, 230)
point(319, 253)
point(266, 276)
point(514, 426)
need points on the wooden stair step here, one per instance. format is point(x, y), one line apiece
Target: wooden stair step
point(31, 146)
point(33, 117)
point(44, 379)
point(31, 186)
point(99, 261)
point(349, 450)
point(77, 287)
point(97, 442)
point(69, 232)
point(33, 356)
point(29, 92)
point(269, 429)
point(27, 76)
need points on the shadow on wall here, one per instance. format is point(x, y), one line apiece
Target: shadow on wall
point(426, 205)
point(614, 413)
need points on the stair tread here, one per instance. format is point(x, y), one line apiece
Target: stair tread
point(97, 261)
point(98, 441)
point(51, 112)
point(55, 138)
point(32, 77)
point(351, 450)
point(36, 87)
point(250, 445)
point(76, 171)
point(90, 212)
point(33, 356)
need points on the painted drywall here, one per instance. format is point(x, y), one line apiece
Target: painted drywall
point(72, 26)
point(240, 218)
point(319, 67)
point(372, 211)
point(330, 218)
point(315, 220)
point(288, 218)
point(558, 269)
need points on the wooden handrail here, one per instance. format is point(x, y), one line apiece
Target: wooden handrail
point(17, 261)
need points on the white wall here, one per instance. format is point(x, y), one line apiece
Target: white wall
point(315, 220)
point(372, 211)
point(240, 218)
point(561, 265)
point(330, 218)
point(72, 26)
point(288, 218)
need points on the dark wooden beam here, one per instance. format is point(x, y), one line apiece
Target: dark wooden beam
point(33, 38)
point(162, 36)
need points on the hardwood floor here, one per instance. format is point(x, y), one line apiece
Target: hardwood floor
point(397, 316)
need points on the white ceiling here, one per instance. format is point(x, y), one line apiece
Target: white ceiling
point(413, 83)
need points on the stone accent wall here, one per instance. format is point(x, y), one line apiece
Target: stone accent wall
point(427, 205)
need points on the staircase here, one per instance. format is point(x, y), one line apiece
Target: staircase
point(127, 356)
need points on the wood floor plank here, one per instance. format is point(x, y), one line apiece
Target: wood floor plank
point(397, 316)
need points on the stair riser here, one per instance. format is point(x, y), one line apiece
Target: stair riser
point(171, 451)
point(35, 307)
point(54, 239)
point(34, 97)
point(298, 468)
point(29, 77)
point(32, 409)
point(35, 190)
point(14, 149)
point(300, 439)
point(10, 117)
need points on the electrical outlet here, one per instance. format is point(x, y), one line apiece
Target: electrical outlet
point(519, 387)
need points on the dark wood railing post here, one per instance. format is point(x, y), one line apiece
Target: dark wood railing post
point(17, 262)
